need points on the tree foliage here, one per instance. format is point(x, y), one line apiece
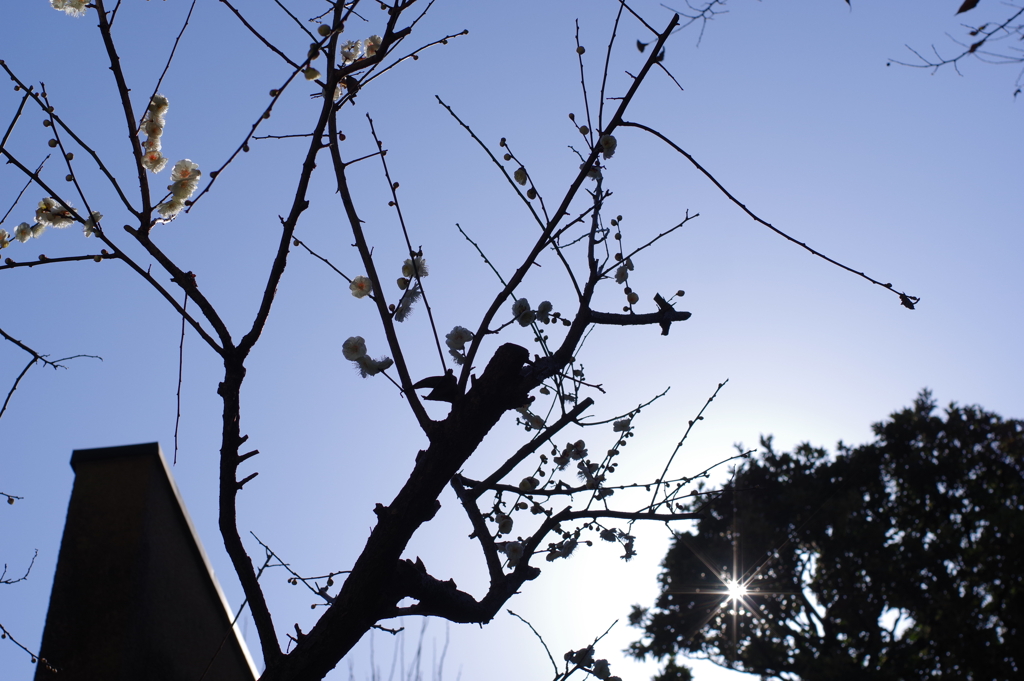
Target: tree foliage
point(897, 559)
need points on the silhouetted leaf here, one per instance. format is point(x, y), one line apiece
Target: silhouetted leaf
point(641, 46)
point(966, 7)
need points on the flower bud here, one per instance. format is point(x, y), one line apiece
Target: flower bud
point(324, 30)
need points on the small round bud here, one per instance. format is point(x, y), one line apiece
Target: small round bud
point(266, 114)
point(214, 174)
point(618, 256)
point(531, 193)
point(245, 148)
point(584, 130)
point(391, 204)
point(69, 177)
point(580, 50)
point(618, 236)
point(633, 298)
point(680, 293)
point(572, 116)
point(394, 185)
point(502, 142)
point(275, 93)
point(391, 307)
point(10, 500)
point(324, 30)
point(507, 157)
point(69, 156)
point(403, 283)
point(614, 222)
point(47, 123)
point(52, 143)
point(310, 74)
point(97, 258)
point(627, 290)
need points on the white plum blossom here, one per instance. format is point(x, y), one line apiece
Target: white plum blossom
point(529, 484)
point(372, 45)
point(620, 426)
point(415, 266)
point(351, 51)
point(154, 161)
point(504, 523)
point(544, 312)
point(404, 309)
point(24, 231)
point(185, 179)
point(520, 176)
point(52, 213)
point(522, 312)
point(89, 227)
point(5, 238)
point(354, 348)
point(514, 552)
point(361, 287)
point(622, 273)
point(370, 367)
point(74, 8)
point(456, 341)
point(608, 145)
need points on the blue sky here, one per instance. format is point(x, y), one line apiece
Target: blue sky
point(908, 176)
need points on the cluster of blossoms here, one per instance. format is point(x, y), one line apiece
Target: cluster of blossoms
point(585, 659)
point(49, 213)
point(74, 8)
point(574, 451)
point(531, 420)
point(52, 213)
point(413, 269)
point(184, 181)
point(523, 314)
point(153, 125)
point(354, 50)
point(354, 350)
point(456, 341)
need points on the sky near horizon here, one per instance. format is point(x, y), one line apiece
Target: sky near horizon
point(912, 177)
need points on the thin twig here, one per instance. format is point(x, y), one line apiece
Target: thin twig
point(906, 300)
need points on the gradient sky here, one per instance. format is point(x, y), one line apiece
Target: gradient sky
point(911, 177)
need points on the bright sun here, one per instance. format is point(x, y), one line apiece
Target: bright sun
point(735, 589)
